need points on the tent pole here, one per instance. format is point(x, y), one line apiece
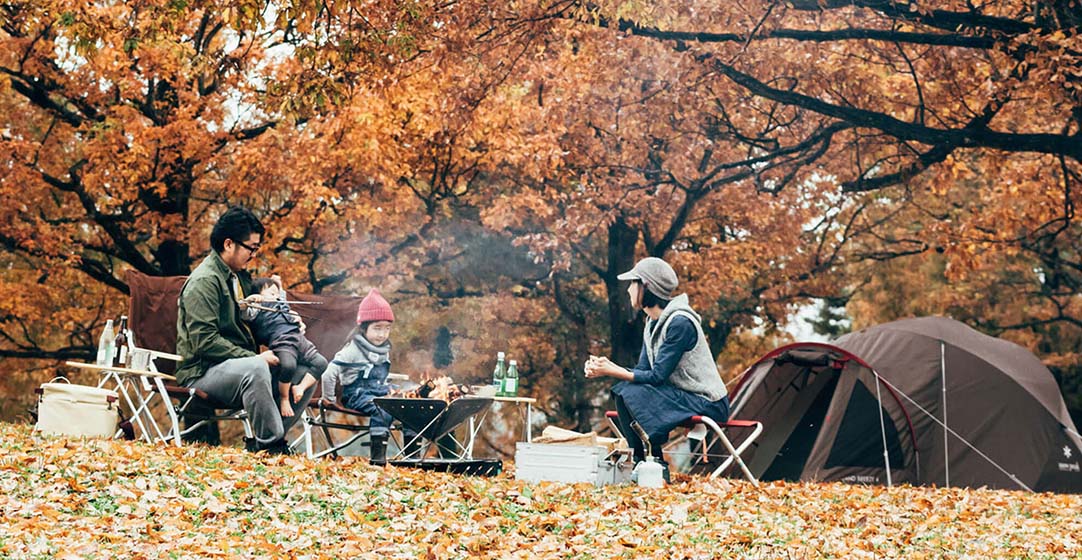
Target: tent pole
point(958, 436)
point(882, 427)
point(943, 380)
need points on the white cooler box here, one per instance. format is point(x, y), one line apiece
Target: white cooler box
point(77, 410)
point(556, 462)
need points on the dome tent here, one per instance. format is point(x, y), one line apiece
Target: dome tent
point(922, 401)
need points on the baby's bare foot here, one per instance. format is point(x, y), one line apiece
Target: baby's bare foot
point(298, 393)
point(287, 409)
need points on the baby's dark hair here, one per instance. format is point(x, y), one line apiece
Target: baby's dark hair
point(260, 284)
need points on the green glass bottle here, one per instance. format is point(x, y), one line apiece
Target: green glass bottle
point(510, 381)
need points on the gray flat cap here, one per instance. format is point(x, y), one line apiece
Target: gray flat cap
point(655, 274)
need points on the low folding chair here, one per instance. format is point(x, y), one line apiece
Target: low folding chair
point(700, 427)
point(197, 409)
point(321, 415)
point(325, 416)
point(152, 317)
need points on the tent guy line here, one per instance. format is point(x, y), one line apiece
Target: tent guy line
point(952, 432)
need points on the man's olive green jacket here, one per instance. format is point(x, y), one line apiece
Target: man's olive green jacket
point(209, 329)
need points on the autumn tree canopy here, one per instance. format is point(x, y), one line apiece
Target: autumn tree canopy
point(493, 166)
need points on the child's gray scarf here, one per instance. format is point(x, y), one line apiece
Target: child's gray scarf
point(367, 357)
point(371, 353)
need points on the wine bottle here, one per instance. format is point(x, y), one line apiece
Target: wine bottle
point(123, 359)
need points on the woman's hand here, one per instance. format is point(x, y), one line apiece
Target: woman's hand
point(600, 366)
point(591, 368)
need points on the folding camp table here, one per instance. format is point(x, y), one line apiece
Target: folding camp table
point(138, 389)
point(434, 420)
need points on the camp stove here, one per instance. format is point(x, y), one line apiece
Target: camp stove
point(435, 420)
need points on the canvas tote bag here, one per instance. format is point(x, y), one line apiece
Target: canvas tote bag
point(77, 410)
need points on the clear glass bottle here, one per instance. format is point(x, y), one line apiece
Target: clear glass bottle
point(106, 344)
point(510, 381)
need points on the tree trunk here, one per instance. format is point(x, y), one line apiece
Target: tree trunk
point(625, 326)
point(173, 255)
point(577, 402)
point(173, 258)
point(718, 336)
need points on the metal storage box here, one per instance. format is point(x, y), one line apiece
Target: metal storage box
point(557, 462)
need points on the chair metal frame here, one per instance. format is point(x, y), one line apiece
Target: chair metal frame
point(183, 398)
point(178, 402)
point(698, 426)
point(320, 419)
point(317, 415)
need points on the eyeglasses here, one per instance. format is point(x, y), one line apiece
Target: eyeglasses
point(251, 249)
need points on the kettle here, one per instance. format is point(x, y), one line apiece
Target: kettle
point(650, 473)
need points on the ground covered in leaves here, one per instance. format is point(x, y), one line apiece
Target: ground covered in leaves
point(97, 499)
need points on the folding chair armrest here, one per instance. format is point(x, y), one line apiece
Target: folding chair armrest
point(180, 392)
point(741, 424)
point(324, 406)
point(166, 355)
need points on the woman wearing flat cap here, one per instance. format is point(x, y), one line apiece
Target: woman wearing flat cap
point(676, 377)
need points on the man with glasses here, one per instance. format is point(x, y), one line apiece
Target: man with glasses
point(220, 354)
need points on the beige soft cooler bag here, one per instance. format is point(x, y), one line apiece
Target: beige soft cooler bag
point(77, 410)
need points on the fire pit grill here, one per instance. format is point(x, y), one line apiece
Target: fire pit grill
point(433, 419)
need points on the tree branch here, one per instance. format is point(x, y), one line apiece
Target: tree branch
point(969, 136)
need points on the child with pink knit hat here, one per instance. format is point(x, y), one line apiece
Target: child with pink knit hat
point(361, 368)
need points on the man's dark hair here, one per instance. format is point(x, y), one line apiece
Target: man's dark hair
point(650, 299)
point(260, 283)
point(238, 223)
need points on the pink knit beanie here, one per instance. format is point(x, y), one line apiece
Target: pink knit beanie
point(374, 308)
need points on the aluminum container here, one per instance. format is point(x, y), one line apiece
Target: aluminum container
point(557, 462)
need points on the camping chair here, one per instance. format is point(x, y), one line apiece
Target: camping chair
point(702, 426)
point(152, 316)
point(323, 415)
point(319, 415)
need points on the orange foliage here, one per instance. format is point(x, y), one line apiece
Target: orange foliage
point(493, 165)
